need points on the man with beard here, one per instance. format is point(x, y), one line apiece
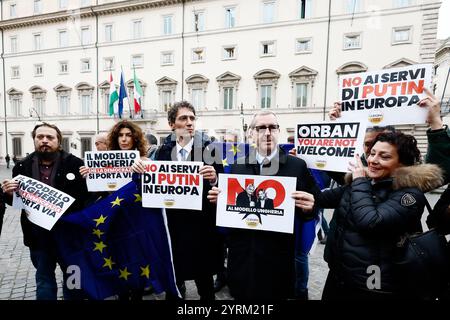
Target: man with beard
point(59, 169)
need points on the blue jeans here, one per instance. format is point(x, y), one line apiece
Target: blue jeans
point(301, 274)
point(46, 288)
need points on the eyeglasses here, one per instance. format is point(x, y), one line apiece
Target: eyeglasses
point(272, 128)
point(185, 118)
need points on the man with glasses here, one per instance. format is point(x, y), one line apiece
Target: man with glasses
point(261, 264)
point(196, 247)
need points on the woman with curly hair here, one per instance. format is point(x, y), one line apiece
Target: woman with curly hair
point(377, 206)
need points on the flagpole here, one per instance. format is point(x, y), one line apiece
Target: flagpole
point(129, 105)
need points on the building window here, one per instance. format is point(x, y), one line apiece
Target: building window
point(12, 10)
point(268, 12)
point(305, 9)
point(65, 144)
point(266, 96)
point(167, 25)
point(13, 42)
point(198, 55)
point(108, 64)
point(85, 3)
point(401, 35)
point(230, 17)
point(167, 58)
point(37, 41)
point(229, 52)
point(63, 101)
point(63, 4)
point(63, 38)
point(137, 61)
point(106, 102)
point(86, 104)
point(137, 29)
point(17, 146)
point(15, 72)
point(108, 32)
point(268, 49)
point(352, 41)
point(16, 106)
point(38, 70)
point(302, 95)
point(167, 100)
point(352, 6)
point(303, 45)
point(197, 99)
point(401, 3)
point(85, 36)
point(228, 93)
point(199, 21)
point(39, 105)
point(85, 65)
point(86, 145)
point(37, 9)
point(63, 67)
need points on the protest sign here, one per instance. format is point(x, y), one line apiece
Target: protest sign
point(172, 184)
point(385, 97)
point(44, 204)
point(329, 145)
point(109, 170)
point(256, 202)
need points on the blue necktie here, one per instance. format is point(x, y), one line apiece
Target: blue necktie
point(183, 153)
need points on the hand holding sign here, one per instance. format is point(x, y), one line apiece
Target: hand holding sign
point(138, 166)
point(303, 200)
point(358, 170)
point(209, 173)
point(9, 186)
point(213, 194)
point(335, 112)
point(434, 110)
point(84, 171)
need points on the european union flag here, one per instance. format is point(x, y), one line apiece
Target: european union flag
point(118, 245)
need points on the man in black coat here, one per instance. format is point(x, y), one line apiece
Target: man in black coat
point(59, 169)
point(261, 264)
point(196, 247)
point(263, 201)
point(247, 197)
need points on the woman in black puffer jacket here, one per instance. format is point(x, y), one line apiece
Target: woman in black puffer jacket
point(381, 203)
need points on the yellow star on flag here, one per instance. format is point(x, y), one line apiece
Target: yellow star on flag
point(97, 232)
point(145, 271)
point(235, 149)
point(99, 246)
point(138, 197)
point(100, 220)
point(225, 163)
point(116, 202)
point(108, 263)
point(124, 273)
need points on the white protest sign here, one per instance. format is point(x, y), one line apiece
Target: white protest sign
point(172, 185)
point(385, 97)
point(44, 204)
point(109, 170)
point(256, 202)
point(329, 145)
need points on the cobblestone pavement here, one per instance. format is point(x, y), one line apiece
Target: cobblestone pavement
point(17, 273)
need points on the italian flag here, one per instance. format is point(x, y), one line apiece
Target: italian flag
point(137, 93)
point(113, 97)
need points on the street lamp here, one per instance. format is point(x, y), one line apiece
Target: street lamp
point(37, 113)
point(244, 125)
